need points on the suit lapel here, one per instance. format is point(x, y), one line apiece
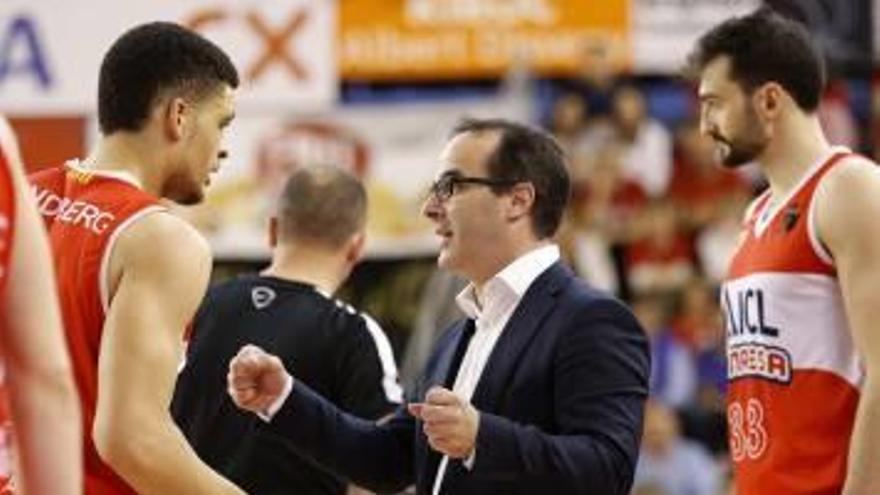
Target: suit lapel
point(442, 373)
point(522, 327)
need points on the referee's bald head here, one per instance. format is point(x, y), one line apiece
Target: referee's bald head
point(321, 205)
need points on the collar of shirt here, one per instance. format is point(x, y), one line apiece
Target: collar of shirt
point(508, 286)
point(123, 175)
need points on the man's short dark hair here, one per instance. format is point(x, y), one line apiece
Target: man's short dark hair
point(322, 205)
point(763, 47)
point(150, 60)
point(528, 155)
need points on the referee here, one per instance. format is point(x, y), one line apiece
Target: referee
point(317, 237)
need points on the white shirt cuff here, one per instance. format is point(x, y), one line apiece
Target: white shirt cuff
point(279, 402)
point(469, 460)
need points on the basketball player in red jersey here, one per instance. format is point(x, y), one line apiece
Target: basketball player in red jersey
point(801, 299)
point(130, 273)
point(37, 380)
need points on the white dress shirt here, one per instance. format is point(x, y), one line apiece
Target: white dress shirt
point(491, 311)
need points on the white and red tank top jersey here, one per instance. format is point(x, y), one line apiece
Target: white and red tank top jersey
point(85, 212)
point(7, 231)
point(793, 370)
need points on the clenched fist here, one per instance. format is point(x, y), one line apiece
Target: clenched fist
point(256, 379)
point(449, 422)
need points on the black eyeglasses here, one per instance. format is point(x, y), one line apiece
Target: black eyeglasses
point(444, 187)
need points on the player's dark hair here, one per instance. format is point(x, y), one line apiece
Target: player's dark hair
point(151, 60)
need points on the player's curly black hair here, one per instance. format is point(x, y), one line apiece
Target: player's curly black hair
point(764, 46)
point(150, 60)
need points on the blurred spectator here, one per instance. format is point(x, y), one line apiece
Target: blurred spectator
point(604, 212)
point(675, 465)
point(662, 260)
point(705, 419)
point(568, 121)
point(647, 145)
point(673, 369)
point(716, 242)
point(697, 318)
point(836, 118)
point(598, 79)
point(605, 198)
point(698, 324)
point(700, 186)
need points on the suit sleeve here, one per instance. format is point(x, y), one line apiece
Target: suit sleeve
point(378, 457)
point(601, 375)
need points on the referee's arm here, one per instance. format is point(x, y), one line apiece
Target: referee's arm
point(367, 374)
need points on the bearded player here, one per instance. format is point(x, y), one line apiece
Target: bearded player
point(801, 299)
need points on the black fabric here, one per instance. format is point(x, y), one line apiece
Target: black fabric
point(466, 335)
point(322, 342)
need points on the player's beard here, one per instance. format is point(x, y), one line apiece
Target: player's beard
point(744, 147)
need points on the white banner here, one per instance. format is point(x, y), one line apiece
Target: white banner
point(664, 31)
point(51, 50)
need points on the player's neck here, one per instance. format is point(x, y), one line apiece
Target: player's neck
point(791, 153)
point(128, 153)
point(326, 271)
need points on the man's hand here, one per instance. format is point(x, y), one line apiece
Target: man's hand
point(256, 379)
point(450, 423)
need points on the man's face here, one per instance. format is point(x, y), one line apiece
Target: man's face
point(727, 116)
point(629, 108)
point(470, 221)
point(661, 429)
point(202, 146)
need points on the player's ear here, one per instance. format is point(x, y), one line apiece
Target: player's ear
point(768, 100)
point(176, 113)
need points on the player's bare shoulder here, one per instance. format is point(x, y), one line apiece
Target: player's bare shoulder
point(166, 229)
point(848, 200)
point(162, 243)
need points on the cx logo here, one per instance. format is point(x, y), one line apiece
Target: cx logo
point(276, 42)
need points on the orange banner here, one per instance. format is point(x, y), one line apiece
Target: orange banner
point(439, 39)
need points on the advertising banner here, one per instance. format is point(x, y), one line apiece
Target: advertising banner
point(437, 39)
point(51, 50)
point(664, 31)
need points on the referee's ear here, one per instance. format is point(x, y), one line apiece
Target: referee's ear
point(355, 247)
point(273, 232)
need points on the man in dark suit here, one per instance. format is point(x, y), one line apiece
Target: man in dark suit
point(541, 388)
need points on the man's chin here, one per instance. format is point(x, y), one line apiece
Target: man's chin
point(732, 161)
point(191, 199)
point(443, 259)
point(446, 260)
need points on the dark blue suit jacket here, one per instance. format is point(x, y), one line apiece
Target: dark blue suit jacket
point(561, 401)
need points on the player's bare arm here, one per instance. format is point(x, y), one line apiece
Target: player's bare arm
point(847, 213)
point(159, 271)
point(45, 408)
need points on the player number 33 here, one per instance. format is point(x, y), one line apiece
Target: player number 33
point(748, 437)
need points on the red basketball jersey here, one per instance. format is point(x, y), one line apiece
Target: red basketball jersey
point(7, 231)
point(794, 373)
point(85, 211)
